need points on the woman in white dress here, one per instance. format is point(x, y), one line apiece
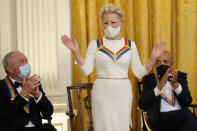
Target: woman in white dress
point(112, 55)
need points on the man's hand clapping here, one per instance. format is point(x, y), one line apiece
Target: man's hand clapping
point(31, 86)
point(173, 79)
point(164, 79)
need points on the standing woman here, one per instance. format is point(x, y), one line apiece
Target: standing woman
point(112, 54)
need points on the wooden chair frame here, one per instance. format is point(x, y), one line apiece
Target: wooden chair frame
point(87, 102)
point(145, 124)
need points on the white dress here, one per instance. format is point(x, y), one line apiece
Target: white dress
point(112, 90)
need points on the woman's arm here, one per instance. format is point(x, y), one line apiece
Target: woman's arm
point(85, 66)
point(72, 44)
point(138, 69)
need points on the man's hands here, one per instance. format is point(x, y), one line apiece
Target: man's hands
point(173, 79)
point(164, 79)
point(31, 86)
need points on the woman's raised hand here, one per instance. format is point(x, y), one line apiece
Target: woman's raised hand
point(71, 43)
point(158, 49)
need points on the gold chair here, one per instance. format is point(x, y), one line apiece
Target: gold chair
point(194, 109)
point(87, 103)
point(146, 124)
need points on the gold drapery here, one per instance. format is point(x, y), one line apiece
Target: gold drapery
point(146, 22)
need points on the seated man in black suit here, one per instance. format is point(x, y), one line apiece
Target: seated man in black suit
point(22, 99)
point(166, 97)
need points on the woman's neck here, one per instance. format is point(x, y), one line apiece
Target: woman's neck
point(118, 37)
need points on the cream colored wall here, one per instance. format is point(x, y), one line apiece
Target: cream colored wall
point(64, 56)
point(7, 29)
point(8, 42)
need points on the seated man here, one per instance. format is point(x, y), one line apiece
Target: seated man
point(22, 99)
point(166, 95)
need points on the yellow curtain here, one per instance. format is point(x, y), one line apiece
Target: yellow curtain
point(146, 22)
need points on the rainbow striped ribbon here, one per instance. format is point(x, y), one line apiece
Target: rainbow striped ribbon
point(13, 94)
point(114, 56)
point(171, 102)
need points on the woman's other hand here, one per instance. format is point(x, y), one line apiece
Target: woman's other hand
point(71, 43)
point(158, 49)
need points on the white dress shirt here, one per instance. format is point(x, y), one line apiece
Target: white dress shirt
point(19, 89)
point(167, 90)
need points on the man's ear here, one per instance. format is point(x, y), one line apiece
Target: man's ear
point(171, 65)
point(9, 69)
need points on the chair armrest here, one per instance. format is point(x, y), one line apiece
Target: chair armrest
point(194, 106)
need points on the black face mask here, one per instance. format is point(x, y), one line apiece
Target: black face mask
point(161, 70)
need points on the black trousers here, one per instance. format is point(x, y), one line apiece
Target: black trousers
point(180, 120)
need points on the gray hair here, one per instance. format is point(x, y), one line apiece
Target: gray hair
point(111, 9)
point(7, 60)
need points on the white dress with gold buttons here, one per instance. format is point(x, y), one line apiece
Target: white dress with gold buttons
point(112, 90)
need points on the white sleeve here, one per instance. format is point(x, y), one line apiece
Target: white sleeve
point(138, 69)
point(156, 91)
point(39, 98)
point(88, 65)
point(178, 90)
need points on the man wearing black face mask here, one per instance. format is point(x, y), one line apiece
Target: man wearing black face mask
point(166, 97)
point(22, 99)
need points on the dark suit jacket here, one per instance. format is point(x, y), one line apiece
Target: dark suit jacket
point(12, 115)
point(149, 102)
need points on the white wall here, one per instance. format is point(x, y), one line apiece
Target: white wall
point(8, 42)
point(7, 29)
point(64, 55)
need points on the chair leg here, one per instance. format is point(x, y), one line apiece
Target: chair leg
point(195, 112)
point(72, 124)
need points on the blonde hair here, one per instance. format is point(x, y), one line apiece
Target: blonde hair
point(111, 9)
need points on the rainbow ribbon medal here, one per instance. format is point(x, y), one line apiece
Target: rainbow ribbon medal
point(171, 102)
point(117, 55)
point(13, 94)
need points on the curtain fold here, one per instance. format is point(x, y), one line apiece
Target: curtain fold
point(80, 34)
point(146, 22)
point(36, 38)
point(186, 45)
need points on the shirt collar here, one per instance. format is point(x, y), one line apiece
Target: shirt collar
point(13, 80)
